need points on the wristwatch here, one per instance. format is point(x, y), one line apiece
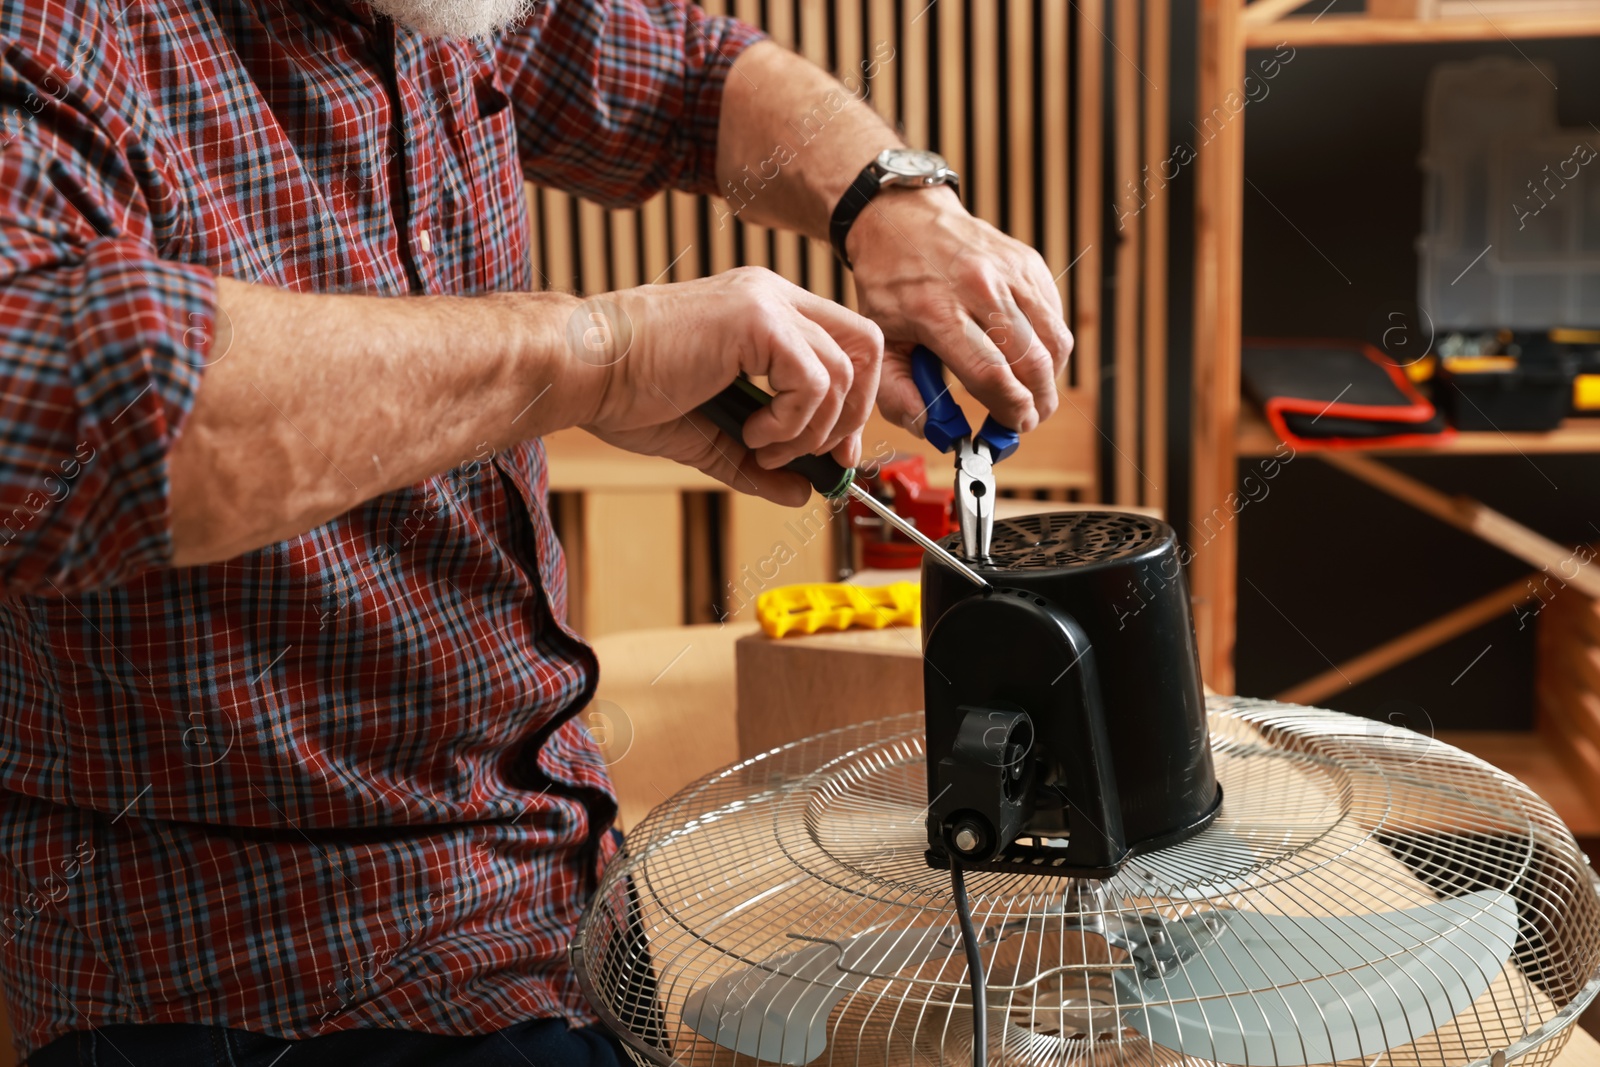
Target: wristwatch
point(901, 167)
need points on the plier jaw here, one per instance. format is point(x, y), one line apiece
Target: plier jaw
point(974, 497)
point(947, 428)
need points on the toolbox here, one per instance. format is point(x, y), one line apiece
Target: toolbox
point(1522, 382)
point(1584, 347)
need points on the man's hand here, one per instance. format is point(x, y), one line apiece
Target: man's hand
point(791, 139)
point(929, 273)
point(666, 349)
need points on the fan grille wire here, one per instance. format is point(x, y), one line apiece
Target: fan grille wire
point(821, 841)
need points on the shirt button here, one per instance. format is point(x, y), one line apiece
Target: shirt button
point(424, 241)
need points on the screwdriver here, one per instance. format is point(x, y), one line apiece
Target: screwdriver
point(730, 409)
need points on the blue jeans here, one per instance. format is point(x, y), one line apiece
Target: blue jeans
point(539, 1042)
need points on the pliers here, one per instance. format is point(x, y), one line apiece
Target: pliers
point(947, 429)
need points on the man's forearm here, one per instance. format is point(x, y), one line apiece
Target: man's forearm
point(791, 139)
point(313, 404)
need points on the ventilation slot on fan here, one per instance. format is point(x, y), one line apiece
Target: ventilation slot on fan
point(1068, 539)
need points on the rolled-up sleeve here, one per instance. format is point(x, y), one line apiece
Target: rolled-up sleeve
point(102, 343)
point(618, 100)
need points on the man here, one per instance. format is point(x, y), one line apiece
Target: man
point(288, 770)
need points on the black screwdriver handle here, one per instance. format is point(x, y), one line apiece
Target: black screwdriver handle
point(731, 408)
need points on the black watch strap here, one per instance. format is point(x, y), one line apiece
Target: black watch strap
point(868, 184)
point(850, 205)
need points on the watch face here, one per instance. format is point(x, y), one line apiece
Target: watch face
point(911, 163)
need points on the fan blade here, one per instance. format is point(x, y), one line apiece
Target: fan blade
point(778, 1010)
point(1280, 991)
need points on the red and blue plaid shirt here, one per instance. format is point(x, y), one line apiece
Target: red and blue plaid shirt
point(333, 783)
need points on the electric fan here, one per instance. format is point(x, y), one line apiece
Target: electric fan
point(1071, 858)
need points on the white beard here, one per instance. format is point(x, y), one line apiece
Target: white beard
point(453, 18)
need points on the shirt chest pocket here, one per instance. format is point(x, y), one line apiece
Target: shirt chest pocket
point(492, 214)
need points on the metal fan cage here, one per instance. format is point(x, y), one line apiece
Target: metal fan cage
point(821, 842)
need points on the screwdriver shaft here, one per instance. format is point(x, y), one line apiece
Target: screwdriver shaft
point(888, 515)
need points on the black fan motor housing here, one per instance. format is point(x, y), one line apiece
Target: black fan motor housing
point(1066, 725)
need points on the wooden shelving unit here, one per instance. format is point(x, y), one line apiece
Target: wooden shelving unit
point(1226, 430)
point(1310, 32)
point(1223, 431)
point(1255, 438)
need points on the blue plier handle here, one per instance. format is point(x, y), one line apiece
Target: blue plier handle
point(947, 424)
point(949, 431)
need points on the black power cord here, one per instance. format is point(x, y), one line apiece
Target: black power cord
point(969, 941)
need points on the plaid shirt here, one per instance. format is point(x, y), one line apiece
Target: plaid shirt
point(333, 783)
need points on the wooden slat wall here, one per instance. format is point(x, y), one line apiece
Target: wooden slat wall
point(1055, 200)
point(1157, 153)
point(911, 44)
point(821, 268)
point(555, 238)
point(1126, 75)
point(1219, 200)
point(985, 153)
point(1088, 201)
point(657, 240)
point(1022, 108)
point(1011, 92)
point(1141, 154)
